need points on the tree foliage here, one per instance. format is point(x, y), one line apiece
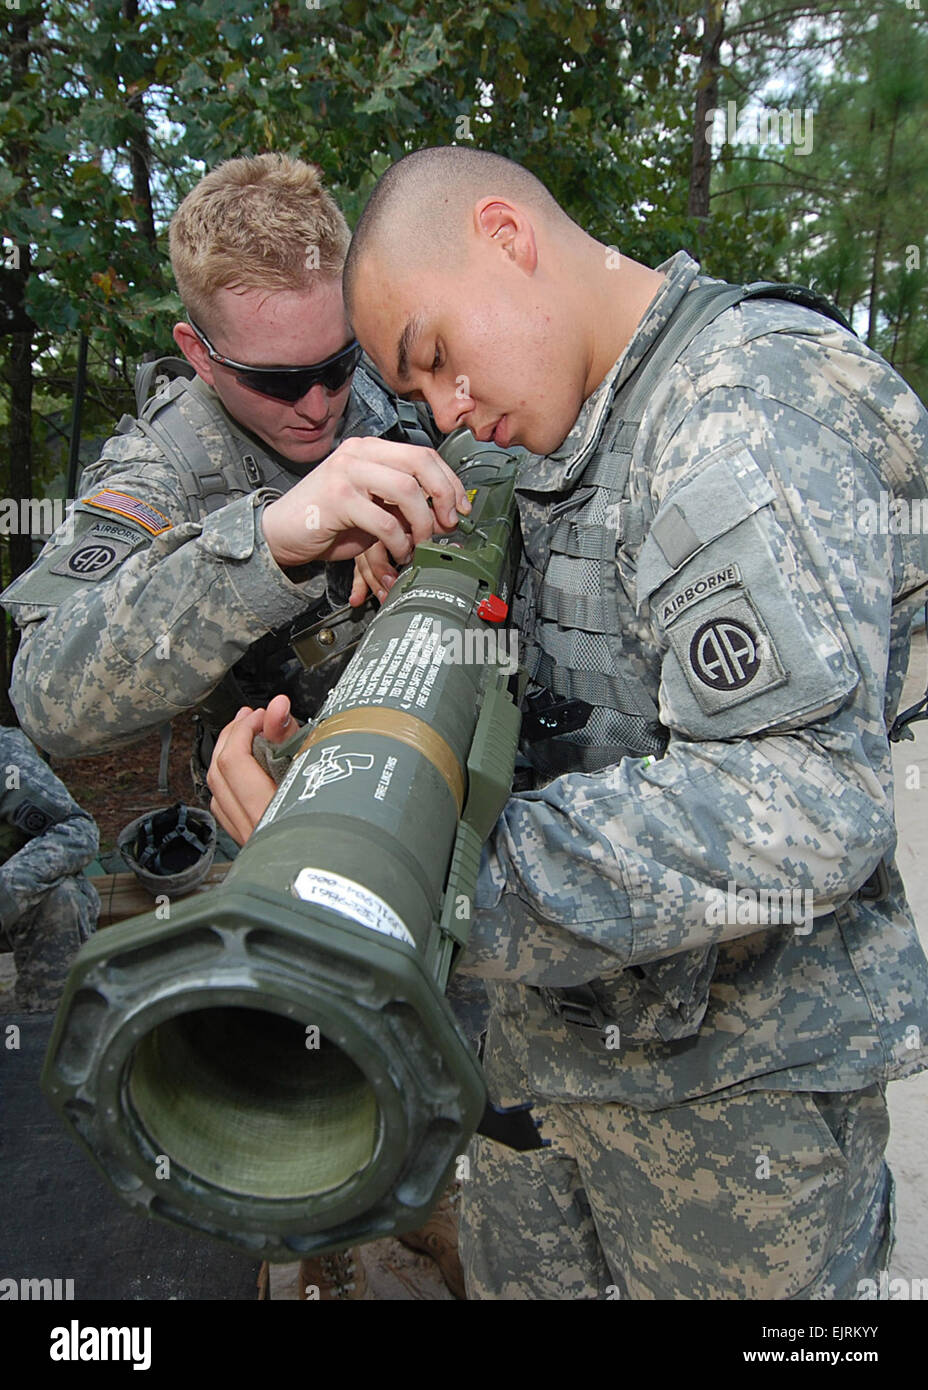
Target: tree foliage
point(846, 215)
point(110, 110)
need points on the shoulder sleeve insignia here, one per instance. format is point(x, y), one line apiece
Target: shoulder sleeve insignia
point(31, 818)
point(91, 559)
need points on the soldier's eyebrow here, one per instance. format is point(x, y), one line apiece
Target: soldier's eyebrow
point(410, 333)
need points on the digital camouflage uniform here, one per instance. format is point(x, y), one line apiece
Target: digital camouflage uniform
point(162, 581)
point(720, 1134)
point(47, 907)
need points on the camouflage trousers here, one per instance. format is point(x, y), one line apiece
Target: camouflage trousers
point(45, 940)
point(762, 1195)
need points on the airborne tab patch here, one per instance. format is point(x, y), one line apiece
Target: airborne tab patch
point(115, 531)
point(111, 501)
point(696, 589)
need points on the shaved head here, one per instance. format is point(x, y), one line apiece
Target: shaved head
point(470, 288)
point(420, 210)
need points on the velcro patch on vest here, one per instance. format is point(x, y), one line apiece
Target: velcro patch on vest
point(30, 818)
point(728, 655)
point(91, 559)
point(702, 587)
point(109, 500)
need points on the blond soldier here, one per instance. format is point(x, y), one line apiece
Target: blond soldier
point(230, 512)
point(231, 509)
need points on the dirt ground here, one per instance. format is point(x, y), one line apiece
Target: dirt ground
point(117, 787)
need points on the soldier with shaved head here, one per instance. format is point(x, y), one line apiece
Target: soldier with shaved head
point(702, 967)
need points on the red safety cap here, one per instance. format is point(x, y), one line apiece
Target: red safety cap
point(493, 609)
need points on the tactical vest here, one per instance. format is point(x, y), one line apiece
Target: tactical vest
point(591, 703)
point(245, 465)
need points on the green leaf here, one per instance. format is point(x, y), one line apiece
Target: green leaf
point(378, 102)
point(578, 34)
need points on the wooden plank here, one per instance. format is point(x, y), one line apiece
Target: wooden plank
point(122, 896)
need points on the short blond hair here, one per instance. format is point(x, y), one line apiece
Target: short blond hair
point(256, 223)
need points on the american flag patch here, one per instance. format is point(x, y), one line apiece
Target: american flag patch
point(149, 517)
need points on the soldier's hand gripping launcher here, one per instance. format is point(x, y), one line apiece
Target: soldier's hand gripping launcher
point(273, 1062)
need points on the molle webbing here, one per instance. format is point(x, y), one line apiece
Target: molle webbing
point(206, 484)
point(575, 614)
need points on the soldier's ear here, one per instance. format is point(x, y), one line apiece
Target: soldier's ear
point(509, 228)
point(194, 351)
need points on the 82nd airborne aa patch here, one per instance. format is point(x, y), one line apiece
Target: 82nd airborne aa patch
point(31, 818)
point(727, 655)
point(91, 558)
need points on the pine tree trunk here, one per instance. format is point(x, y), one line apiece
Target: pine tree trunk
point(19, 372)
point(878, 240)
point(140, 151)
point(707, 97)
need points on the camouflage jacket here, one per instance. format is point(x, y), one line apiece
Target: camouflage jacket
point(44, 835)
point(759, 462)
point(139, 603)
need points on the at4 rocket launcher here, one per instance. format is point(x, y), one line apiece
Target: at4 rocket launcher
point(273, 1062)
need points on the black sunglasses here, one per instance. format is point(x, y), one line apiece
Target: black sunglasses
point(289, 383)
